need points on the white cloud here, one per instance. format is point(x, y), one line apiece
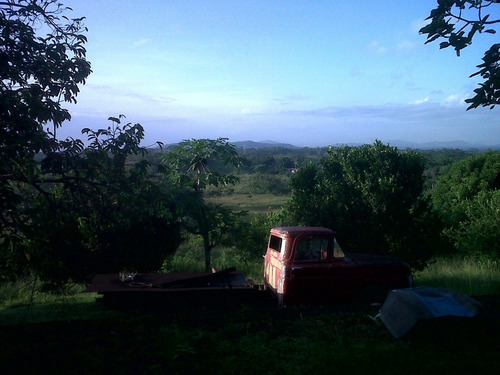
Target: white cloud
point(420, 101)
point(141, 42)
point(377, 47)
point(455, 99)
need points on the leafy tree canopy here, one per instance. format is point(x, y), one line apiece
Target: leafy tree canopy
point(95, 213)
point(68, 211)
point(191, 161)
point(42, 62)
point(463, 182)
point(468, 199)
point(478, 233)
point(371, 195)
point(189, 164)
point(458, 22)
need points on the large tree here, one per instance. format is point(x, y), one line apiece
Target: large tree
point(191, 165)
point(457, 22)
point(372, 196)
point(68, 212)
point(100, 213)
point(468, 199)
point(42, 62)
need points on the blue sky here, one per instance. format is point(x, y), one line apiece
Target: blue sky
point(310, 73)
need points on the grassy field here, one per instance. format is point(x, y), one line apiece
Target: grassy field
point(244, 196)
point(466, 275)
point(61, 334)
point(257, 203)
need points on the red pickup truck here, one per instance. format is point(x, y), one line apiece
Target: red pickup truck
point(305, 265)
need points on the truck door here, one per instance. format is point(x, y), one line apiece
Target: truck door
point(342, 275)
point(309, 269)
point(320, 273)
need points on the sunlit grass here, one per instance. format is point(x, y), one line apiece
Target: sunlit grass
point(471, 276)
point(22, 302)
point(189, 258)
point(258, 203)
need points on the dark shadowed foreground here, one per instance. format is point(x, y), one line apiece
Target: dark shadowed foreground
point(251, 341)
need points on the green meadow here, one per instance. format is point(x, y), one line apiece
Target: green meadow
point(257, 203)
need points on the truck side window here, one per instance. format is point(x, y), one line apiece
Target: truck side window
point(313, 249)
point(275, 243)
point(337, 250)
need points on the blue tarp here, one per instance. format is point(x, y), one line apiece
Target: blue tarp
point(403, 308)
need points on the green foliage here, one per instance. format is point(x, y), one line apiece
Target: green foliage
point(38, 73)
point(189, 166)
point(95, 214)
point(250, 236)
point(270, 184)
point(189, 258)
point(273, 165)
point(242, 246)
point(439, 162)
point(467, 198)
point(464, 181)
point(479, 232)
point(458, 22)
point(190, 162)
point(372, 196)
point(68, 211)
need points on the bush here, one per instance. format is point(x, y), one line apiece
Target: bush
point(479, 231)
point(468, 200)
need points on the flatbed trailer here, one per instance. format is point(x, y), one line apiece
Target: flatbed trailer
point(179, 291)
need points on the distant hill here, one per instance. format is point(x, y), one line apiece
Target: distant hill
point(403, 145)
point(264, 144)
point(461, 145)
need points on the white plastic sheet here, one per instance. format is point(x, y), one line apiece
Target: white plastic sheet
point(403, 308)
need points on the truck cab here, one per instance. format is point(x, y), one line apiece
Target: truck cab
point(305, 265)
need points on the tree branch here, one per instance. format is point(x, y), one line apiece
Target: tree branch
point(460, 18)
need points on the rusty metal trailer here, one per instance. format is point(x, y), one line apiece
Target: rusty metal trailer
point(178, 291)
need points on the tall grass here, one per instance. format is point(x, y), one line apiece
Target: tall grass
point(259, 203)
point(190, 258)
point(28, 291)
point(24, 301)
point(468, 275)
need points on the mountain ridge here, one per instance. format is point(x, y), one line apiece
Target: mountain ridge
point(458, 144)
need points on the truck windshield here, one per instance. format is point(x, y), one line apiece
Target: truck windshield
point(313, 249)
